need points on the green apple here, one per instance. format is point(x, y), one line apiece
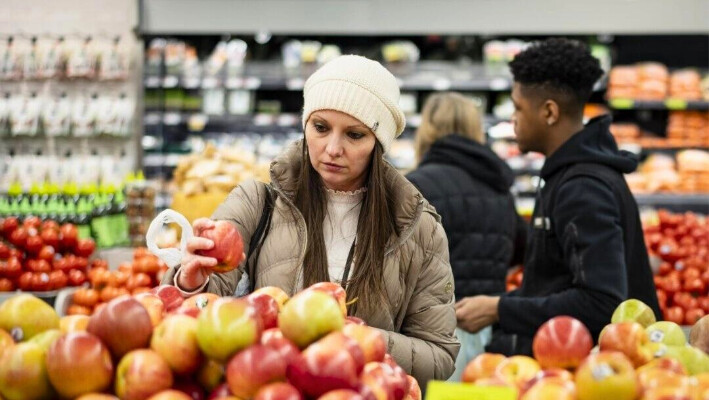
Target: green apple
point(634, 310)
point(23, 373)
point(24, 316)
point(666, 332)
point(308, 316)
point(693, 359)
point(226, 326)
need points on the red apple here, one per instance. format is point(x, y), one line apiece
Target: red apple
point(154, 306)
point(78, 363)
point(97, 396)
point(123, 325)
point(657, 377)
point(322, 368)
point(73, 323)
point(228, 247)
point(278, 391)
point(385, 382)
point(551, 388)
point(369, 339)
point(170, 395)
point(227, 326)
point(556, 375)
point(562, 342)
point(336, 291)
point(341, 394)
point(629, 338)
point(170, 296)
point(606, 375)
point(266, 308)
point(141, 374)
point(253, 368)
point(23, 373)
point(69, 236)
point(666, 363)
point(175, 340)
point(189, 311)
point(277, 293)
point(85, 247)
point(299, 324)
point(274, 339)
point(341, 341)
point(671, 393)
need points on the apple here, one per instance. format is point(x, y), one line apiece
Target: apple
point(200, 301)
point(253, 368)
point(170, 296)
point(24, 316)
point(210, 374)
point(277, 293)
point(517, 370)
point(554, 374)
point(78, 363)
point(694, 360)
point(188, 311)
point(334, 290)
point(482, 366)
point(189, 387)
point(228, 247)
point(266, 308)
point(154, 306)
point(69, 236)
point(414, 389)
point(630, 339)
point(6, 341)
point(634, 310)
point(606, 375)
point(341, 394)
point(221, 392)
point(665, 363)
point(699, 335)
point(123, 325)
point(341, 341)
point(369, 339)
point(669, 393)
point(562, 342)
point(227, 326)
point(278, 391)
point(274, 339)
point(97, 396)
point(494, 381)
point(385, 382)
point(551, 388)
point(73, 323)
point(141, 374)
point(666, 332)
point(170, 395)
point(354, 320)
point(175, 340)
point(23, 373)
point(46, 339)
point(301, 325)
point(657, 377)
point(322, 368)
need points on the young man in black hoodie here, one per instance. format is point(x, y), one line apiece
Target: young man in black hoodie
point(585, 253)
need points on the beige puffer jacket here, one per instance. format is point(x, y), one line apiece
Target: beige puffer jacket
point(419, 320)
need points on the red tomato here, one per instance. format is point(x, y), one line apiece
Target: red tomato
point(704, 303)
point(661, 298)
point(665, 268)
point(692, 316)
point(6, 285)
point(76, 277)
point(675, 314)
point(695, 286)
point(57, 280)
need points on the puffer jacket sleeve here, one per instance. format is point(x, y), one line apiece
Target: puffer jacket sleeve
point(242, 207)
point(427, 345)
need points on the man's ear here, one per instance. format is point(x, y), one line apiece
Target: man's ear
point(550, 112)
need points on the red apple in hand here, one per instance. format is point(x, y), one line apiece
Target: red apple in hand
point(562, 342)
point(141, 374)
point(123, 325)
point(253, 368)
point(266, 308)
point(79, 363)
point(228, 246)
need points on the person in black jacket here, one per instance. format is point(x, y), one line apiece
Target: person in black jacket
point(586, 253)
point(469, 185)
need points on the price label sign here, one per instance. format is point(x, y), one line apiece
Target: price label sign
point(622, 104)
point(438, 390)
point(676, 104)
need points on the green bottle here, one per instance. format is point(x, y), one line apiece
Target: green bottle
point(121, 219)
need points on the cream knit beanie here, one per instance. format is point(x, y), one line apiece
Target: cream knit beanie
point(358, 87)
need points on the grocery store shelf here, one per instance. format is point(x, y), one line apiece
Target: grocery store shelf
point(668, 104)
point(666, 198)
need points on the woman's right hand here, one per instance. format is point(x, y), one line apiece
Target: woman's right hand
point(195, 268)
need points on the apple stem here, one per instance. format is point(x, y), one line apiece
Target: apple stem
point(349, 303)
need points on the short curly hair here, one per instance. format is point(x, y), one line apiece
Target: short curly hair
point(560, 66)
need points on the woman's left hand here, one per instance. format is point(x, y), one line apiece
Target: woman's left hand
point(477, 312)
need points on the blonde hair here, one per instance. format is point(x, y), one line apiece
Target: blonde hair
point(446, 114)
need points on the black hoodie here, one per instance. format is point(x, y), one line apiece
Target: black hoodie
point(470, 188)
point(586, 253)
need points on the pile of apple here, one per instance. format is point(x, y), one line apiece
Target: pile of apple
point(157, 345)
point(41, 255)
point(636, 358)
point(681, 241)
point(142, 274)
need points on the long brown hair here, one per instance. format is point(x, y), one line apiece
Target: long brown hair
point(374, 229)
point(445, 114)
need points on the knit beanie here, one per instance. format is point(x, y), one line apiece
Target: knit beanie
point(359, 87)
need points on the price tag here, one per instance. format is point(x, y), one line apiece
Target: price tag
point(438, 390)
point(622, 104)
point(676, 104)
point(499, 84)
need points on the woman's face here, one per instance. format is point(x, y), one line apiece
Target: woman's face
point(340, 149)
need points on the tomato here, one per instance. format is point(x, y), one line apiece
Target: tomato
point(695, 286)
point(86, 297)
point(703, 303)
point(40, 282)
point(141, 252)
point(665, 268)
point(46, 253)
point(6, 285)
point(693, 315)
point(100, 279)
point(138, 280)
point(49, 225)
point(57, 280)
point(69, 236)
point(675, 314)
point(4, 251)
point(85, 247)
point(50, 237)
point(671, 285)
point(108, 293)
point(24, 282)
point(661, 298)
point(76, 277)
point(126, 267)
point(32, 222)
point(76, 309)
point(99, 263)
point(38, 266)
point(121, 278)
point(690, 273)
point(12, 268)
